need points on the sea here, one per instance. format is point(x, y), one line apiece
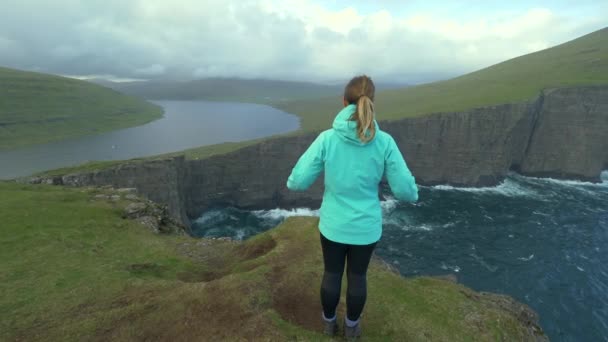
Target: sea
point(540, 240)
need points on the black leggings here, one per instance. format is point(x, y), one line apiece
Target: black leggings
point(334, 255)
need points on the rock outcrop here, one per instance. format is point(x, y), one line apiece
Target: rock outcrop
point(563, 134)
point(148, 213)
point(158, 180)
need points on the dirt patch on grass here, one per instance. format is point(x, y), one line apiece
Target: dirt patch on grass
point(200, 276)
point(296, 301)
point(214, 311)
point(213, 257)
point(256, 249)
point(147, 269)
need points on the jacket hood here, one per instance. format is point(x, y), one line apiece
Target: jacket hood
point(347, 129)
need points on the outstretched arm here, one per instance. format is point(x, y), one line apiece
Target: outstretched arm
point(400, 179)
point(308, 167)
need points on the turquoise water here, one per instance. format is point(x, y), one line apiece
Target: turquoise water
point(542, 241)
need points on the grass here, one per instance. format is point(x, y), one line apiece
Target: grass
point(61, 253)
point(87, 167)
point(38, 108)
point(583, 61)
point(72, 269)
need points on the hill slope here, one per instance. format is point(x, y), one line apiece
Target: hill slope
point(583, 61)
point(37, 108)
point(77, 271)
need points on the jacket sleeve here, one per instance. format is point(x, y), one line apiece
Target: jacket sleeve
point(308, 167)
point(400, 179)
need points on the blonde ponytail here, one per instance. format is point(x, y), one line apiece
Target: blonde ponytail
point(360, 91)
point(365, 119)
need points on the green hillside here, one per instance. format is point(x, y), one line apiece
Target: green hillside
point(74, 270)
point(37, 108)
point(583, 61)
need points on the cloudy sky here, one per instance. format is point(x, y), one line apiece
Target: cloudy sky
point(403, 41)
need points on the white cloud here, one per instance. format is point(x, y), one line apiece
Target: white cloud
point(152, 70)
point(288, 39)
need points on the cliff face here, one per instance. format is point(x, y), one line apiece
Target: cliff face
point(253, 177)
point(475, 148)
point(570, 136)
point(562, 134)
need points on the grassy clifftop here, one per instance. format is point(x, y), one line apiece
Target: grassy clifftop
point(37, 108)
point(73, 269)
point(583, 61)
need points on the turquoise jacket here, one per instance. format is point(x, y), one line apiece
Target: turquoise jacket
point(351, 212)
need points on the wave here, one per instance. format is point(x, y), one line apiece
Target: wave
point(445, 267)
point(509, 187)
point(483, 262)
point(279, 214)
point(412, 227)
point(211, 216)
point(553, 185)
point(388, 205)
point(240, 234)
point(530, 257)
point(569, 182)
point(516, 185)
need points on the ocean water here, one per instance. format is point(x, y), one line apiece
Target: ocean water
point(542, 241)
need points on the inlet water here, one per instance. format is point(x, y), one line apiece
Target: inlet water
point(185, 124)
point(542, 241)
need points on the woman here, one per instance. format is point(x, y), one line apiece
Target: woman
point(354, 154)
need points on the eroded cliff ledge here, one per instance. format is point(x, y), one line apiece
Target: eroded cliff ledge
point(563, 133)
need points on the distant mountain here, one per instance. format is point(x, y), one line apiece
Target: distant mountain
point(38, 108)
point(583, 61)
point(232, 89)
point(225, 89)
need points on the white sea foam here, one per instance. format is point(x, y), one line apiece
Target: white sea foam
point(279, 214)
point(427, 227)
point(569, 182)
point(210, 216)
point(526, 259)
point(454, 268)
point(509, 187)
point(388, 205)
point(240, 234)
point(515, 186)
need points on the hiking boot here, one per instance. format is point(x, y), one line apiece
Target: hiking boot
point(352, 333)
point(330, 328)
